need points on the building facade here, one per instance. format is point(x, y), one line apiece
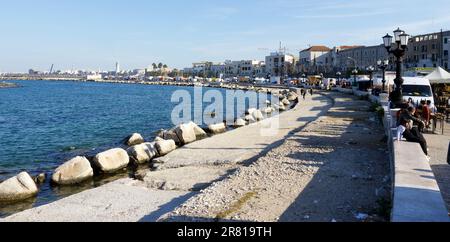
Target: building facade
point(424, 51)
point(314, 59)
point(279, 63)
point(360, 57)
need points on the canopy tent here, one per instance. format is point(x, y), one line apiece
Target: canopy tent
point(439, 76)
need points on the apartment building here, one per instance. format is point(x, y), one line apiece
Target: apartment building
point(360, 57)
point(279, 63)
point(424, 51)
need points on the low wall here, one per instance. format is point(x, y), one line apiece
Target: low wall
point(416, 195)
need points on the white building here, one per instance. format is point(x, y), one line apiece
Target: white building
point(314, 56)
point(278, 63)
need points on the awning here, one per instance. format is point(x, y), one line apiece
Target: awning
point(439, 76)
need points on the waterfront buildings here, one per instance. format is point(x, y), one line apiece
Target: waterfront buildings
point(279, 63)
point(360, 57)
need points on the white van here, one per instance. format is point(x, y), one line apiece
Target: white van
point(417, 89)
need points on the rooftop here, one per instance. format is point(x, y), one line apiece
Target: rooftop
point(320, 48)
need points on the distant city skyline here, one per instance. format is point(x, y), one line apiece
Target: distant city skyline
point(93, 35)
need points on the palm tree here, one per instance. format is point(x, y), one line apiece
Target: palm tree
point(165, 66)
point(160, 65)
point(154, 66)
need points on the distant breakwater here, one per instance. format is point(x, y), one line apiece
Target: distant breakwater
point(8, 85)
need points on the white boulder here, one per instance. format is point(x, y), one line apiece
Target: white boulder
point(217, 128)
point(257, 115)
point(267, 110)
point(143, 153)
point(239, 123)
point(170, 134)
point(249, 119)
point(292, 96)
point(18, 188)
point(286, 102)
point(250, 111)
point(73, 171)
point(135, 139)
point(199, 132)
point(112, 160)
point(186, 133)
point(164, 147)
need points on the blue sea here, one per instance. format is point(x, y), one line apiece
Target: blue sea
point(43, 123)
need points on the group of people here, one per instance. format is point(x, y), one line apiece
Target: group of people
point(411, 124)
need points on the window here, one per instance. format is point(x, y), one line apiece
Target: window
point(417, 90)
point(445, 52)
point(445, 40)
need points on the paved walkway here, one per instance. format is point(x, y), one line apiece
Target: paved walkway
point(336, 168)
point(178, 177)
point(438, 145)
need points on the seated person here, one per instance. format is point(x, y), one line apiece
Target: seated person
point(407, 115)
point(426, 114)
point(412, 134)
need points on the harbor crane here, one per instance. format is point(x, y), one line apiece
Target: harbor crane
point(51, 69)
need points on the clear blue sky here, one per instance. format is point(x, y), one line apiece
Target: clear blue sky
point(92, 34)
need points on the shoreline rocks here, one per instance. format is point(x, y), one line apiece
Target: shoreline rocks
point(143, 153)
point(74, 171)
point(164, 147)
point(111, 160)
point(239, 123)
point(217, 128)
point(134, 139)
point(18, 188)
point(185, 133)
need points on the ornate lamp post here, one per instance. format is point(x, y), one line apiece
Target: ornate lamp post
point(383, 66)
point(370, 70)
point(355, 73)
point(401, 41)
point(339, 74)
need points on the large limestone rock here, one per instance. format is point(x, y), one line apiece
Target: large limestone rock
point(250, 111)
point(267, 110)
point(286, 102)
point(170, 135)
point(292, 97)
point(18, 188)
point(199, 132)
point(164, 147)
point(280, 107)
point(73, 171)
point(143, 153)
point(186, 133)
point(217, 128)
point(135, 139)
point(249, 119)
point(239, 123)
point(112, 160)
point(257, 115)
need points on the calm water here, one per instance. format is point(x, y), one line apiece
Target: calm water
point(44, 123)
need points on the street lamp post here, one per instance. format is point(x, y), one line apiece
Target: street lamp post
point(383, 65)
point(355, 73)
point(370, 70)
point(339, 74)
point(401, 41)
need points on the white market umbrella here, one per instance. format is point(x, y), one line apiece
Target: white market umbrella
point(439, 76)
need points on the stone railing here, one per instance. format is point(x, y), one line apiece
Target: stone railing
point(416, 195)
